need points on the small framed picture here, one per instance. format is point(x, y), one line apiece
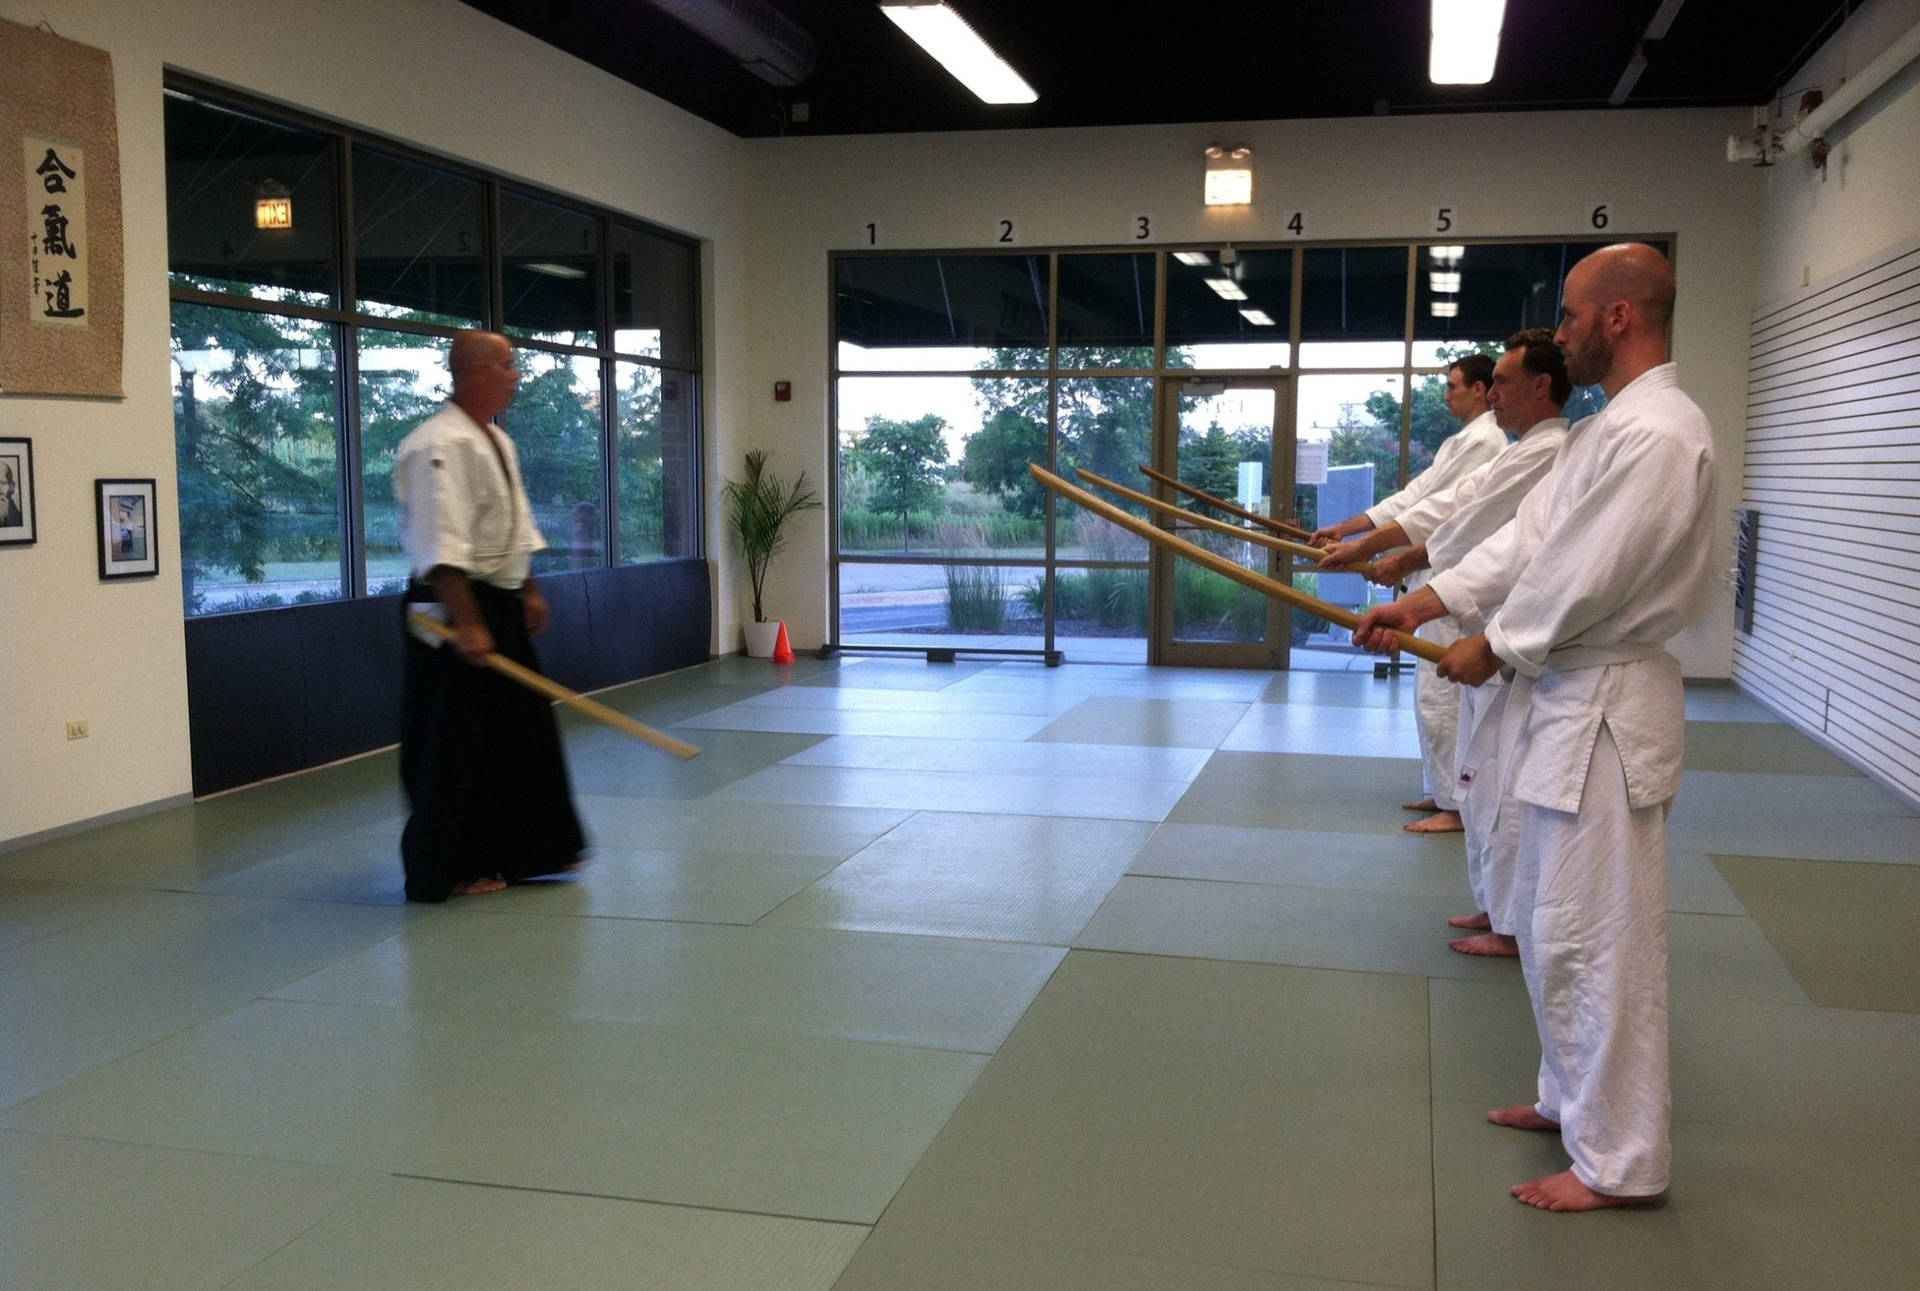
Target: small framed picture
point(127, 530)
point(16, 492)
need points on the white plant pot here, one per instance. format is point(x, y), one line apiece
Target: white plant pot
point(760, 638)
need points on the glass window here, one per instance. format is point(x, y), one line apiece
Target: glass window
point(403, 381)
point(551, 270)
point(221, 165)
point(1106, 311)
point(419, 237)
point(917, 605)
point(555, 423)
point(1099, 611)
point(1357, 415)
point(1353, 307)
point(654, 447)
point(984, 302)
point(654, 281)
point(257, 442)
point(1104, 425)
point(1229, 315)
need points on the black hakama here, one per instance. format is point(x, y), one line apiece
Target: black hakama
point(481, 762)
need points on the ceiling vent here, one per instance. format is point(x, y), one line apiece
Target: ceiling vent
point(765, 41)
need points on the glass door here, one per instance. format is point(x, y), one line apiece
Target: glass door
point(1230, 437)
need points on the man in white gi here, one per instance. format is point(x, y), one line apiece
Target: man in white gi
point(1436, 708)
point(1530, 387)
point(480, 757)
point(1607, 558)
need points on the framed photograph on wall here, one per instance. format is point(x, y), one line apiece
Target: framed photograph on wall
point(16, 492)
point(126, 529)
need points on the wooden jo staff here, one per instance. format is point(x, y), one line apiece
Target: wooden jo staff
point(554, 690)
point(1220, 564)
point(1280, 527)
point(1299, 549)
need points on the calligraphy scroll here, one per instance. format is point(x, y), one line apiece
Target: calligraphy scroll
point(61, 268)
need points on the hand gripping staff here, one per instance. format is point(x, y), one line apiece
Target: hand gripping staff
point(1298, 549)
point(1280, 527)
point(1220, 564)
point(554, 690)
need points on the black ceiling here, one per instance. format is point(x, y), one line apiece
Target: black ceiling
point(1117, 63)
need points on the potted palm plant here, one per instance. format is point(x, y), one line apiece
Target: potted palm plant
point(759, 507)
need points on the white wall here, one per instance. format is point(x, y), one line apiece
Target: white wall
point(1531, 174)
point(1833, 430)
point(432, 73)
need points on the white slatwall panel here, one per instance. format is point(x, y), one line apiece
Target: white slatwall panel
point(1833, 468)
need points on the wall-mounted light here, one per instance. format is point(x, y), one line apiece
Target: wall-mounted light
point(1447, 282)
point(958, 47)
point(1466, 41)
point(1229, 175)
point(272, 206)
point(1445, 308)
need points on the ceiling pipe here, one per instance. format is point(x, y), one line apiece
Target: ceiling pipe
point(1851, 93)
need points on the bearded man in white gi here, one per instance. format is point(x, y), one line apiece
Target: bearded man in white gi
point(1530, 387)
point(1607, 559)
point(1436, 708)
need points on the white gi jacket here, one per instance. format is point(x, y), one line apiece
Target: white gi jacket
point(1607, 559)
point(456, 508)
point(1460, 518)
point(1473, 445)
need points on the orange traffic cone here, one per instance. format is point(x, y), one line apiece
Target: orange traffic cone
point(782, 651)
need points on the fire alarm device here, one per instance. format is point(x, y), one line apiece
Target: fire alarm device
point(782, 391)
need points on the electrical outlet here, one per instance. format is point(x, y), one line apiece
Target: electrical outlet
point(77, 730)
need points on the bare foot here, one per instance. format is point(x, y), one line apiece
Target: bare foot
point(1475, 922)
point(1425, 804)
point(1496, 944)
point(1441, 822)
point(1521, 1116)
point(1564, 1191)
point(478, 887)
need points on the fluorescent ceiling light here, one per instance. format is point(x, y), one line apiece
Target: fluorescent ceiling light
point(1193, 257)
point(945, 34)
point(554, 270)
point(1447, 255)
point(1258, 317)
point(1466, 39)
point(1444, 282)
point(1446, 308)
point(1225, 288)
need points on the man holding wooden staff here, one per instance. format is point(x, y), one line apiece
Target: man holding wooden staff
point(1607, 559)
point(480, 756)
point(1436, 708)
point(1530, 387)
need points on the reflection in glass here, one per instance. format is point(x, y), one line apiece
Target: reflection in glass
point(220, 162)
point(654, 443)
point(1229, 315)
point(1353, 294)
point(419, 237)
point(1106, 310)
point(1357, 415)
point(654, 279)
point(551, 273)
point(403, 381)
point(257, 445)
point(555, 423)
point(1105, 425)
point(992, 301)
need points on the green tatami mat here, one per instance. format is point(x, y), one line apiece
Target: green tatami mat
point(1758, 746)
point(1847, 930)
